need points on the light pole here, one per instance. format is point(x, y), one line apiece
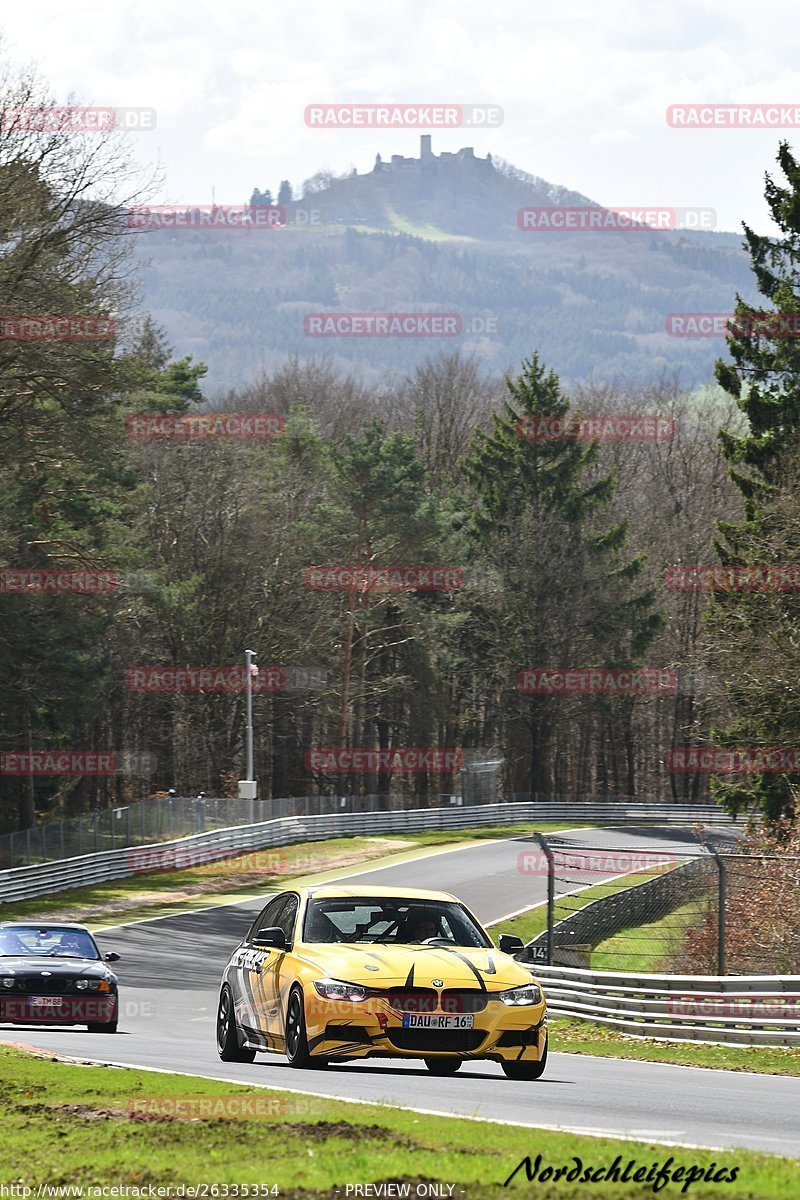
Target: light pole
point(248, 787)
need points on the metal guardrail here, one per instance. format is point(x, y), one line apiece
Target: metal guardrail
point(750, 1010)
point(164, 818)
point(40, 879)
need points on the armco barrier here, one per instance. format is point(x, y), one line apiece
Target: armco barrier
point(24, 883)
point(743, 1010)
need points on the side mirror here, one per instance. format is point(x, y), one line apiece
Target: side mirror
point(112, 956)
point(272, 937)
point(509, 943)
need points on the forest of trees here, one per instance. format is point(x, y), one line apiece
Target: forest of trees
point(563, 544)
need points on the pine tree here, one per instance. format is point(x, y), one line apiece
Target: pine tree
point(570, 596)
point(754, 633)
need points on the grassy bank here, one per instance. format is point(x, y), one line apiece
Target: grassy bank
point(583, 1037)
point(533, 922)
point(154, 893)
point(648, 947)
point(70, 1124)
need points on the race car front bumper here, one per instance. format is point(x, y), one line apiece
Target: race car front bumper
point(375, 1028)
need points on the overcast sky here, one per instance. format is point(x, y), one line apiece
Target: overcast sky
point(584, 87)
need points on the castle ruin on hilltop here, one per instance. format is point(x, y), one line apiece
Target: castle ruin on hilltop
point(429, 161)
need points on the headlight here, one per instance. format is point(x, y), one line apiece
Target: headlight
point(8, 981)
point(529, 993)
point(92, 985)
point(332, 989)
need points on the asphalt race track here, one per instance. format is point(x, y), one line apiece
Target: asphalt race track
point(170, 971)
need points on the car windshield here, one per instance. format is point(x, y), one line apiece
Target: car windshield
point(391, 921)
point(47, 942)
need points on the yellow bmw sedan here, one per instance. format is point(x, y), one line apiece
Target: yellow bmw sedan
point(332, 973)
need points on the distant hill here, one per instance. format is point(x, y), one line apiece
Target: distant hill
point(440, 234)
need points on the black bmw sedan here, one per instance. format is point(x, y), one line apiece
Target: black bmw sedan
point(54, 974)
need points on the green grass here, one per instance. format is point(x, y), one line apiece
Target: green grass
point(245, 876)
point(430, 233)
point(69, 1124)
point(647, 947)
point(584, 1037)
point(533, 922)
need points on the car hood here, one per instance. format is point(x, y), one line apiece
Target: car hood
point(395, 966)
point(34, 964)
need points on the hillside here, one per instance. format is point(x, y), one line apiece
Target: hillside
point(440, 234)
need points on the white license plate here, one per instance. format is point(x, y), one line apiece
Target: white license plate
point(46, 1001)
point(434, 1021)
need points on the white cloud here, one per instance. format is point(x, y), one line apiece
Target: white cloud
point(584, 90)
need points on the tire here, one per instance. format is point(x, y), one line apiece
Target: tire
point(296, 1039)
point(443, 1066)
point(526, 1070)
point(228, 1046)
point(102, 1027)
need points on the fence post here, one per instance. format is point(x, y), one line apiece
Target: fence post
point(722, 968)
point(551, 893)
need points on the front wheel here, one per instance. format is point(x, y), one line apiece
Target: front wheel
point(102, 1026)
point(526, 1070)
point(296, 1043)
point(228, 1046)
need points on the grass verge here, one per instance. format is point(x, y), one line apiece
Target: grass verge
point(150, 894)
point(67, 1124)
point(533, 922)
point(584, 1037)
point(648, 947)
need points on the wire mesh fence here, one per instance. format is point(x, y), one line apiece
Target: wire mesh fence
point(701, 911)
point(161, 819)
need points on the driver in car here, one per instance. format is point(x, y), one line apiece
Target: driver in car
point(422, 928)
point(72, 945)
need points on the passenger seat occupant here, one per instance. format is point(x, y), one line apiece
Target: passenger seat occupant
point(10, 944)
